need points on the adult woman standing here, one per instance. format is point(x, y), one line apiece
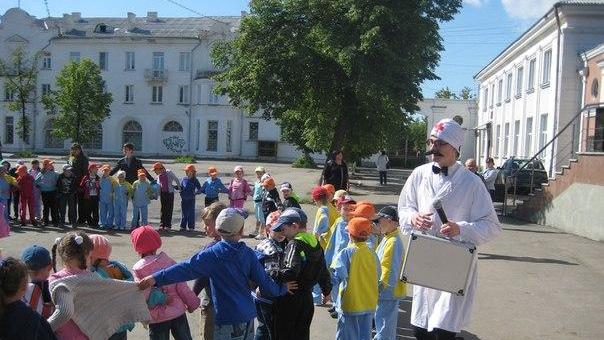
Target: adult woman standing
point(79, 168)
point(336, 171)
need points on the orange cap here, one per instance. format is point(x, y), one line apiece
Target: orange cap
point(365, 210)
point(141, 172)
point(359, 227)
point(269, 182)
point(158, 166)
point(212, 171)
point(190, 167)
point(21, 169)
point(46, 162)
point(330, 189)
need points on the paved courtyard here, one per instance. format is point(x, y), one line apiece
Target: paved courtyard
point(534, 282)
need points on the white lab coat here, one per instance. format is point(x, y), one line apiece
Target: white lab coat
point(466, 201)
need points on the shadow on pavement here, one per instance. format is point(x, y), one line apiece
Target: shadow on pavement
point(534, 231)
point(485, 256)
point(404, 330)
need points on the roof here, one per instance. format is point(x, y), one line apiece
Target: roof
point(534, 26)
point(72, 26)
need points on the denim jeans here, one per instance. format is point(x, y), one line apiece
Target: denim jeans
point(241, 331)
point(265, 329)
point(179, 328)
point(139, 216)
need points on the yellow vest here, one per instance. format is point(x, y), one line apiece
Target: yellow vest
point(361, 292)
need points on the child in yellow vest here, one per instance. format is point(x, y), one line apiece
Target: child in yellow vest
point(357, 270)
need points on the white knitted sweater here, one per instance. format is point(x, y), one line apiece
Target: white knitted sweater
point(98, 306)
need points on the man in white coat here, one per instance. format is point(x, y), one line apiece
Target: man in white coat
point(436, 314)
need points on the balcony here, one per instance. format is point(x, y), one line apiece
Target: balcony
point(205, 74)
point(156, 76)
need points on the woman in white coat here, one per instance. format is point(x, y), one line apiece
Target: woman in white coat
point(436, 314)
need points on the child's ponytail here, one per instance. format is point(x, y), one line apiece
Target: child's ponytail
point(75, 245)
point(54, 254)
point(13, 273)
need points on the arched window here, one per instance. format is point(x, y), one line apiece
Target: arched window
point(96, 143)
point(133, 133)
point(51, 141)
point(173, 126)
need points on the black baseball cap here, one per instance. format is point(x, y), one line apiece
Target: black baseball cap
point(389, 212)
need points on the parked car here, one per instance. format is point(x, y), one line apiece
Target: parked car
point(522, 178)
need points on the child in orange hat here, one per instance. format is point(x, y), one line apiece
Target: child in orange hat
point(213, 186)
point(356, 270)
point(190, 187)
point(141, 197)
point(270, 196)
point(107, 186)
point(331, 206)
point(46, 182)
point(90, 187)
point(26, 194)
point(34, 171)
point(367, 210)
point(168, 182)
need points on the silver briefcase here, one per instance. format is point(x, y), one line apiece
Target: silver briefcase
point(438, 263)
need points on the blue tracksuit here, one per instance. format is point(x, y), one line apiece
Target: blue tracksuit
point(120, 204)
point(338, 240)
point(141, 193)
point(189, 188)
point(211, 188)
point(106, 201)
point(230, 266)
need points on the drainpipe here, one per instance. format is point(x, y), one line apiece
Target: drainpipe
point(558, 80)
point(191, 97)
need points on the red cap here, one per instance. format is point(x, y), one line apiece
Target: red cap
point(92, 166)
point(145, 239)
point(318, 193)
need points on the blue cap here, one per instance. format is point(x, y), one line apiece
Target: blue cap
point(36, 257)
point(300, 212)
point(289, 216)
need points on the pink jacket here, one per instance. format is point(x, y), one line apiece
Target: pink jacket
point(180, 297)
point(69, 330)
point(239, 189)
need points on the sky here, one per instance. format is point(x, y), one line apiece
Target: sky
point(478, 33)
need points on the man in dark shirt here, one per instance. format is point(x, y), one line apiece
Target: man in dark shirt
point(130, 164)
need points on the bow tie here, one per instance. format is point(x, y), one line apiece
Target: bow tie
point(438, 170)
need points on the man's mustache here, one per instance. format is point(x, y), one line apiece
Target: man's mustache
point(434, 152)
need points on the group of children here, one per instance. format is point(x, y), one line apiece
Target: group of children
point(352, 257)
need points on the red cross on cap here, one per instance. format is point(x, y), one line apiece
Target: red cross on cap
point(440, 126)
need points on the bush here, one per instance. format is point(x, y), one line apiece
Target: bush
point(306, 200)
point(305, 161)
point(185, 159)
point(25, 154)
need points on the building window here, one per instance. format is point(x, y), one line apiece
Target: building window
point(542, 131)
point(96, 141)
point(519, 76)
point(516, 137)
point(508, 88)
point(253, 133)
point(492, 95)
point(130, 62)
point(129, 94)
point(485, 99)
point(46, 62)
point(157, 94)
point(74, 56)
point(9, 95)
point(212, 97)
point(595, 88)
point(158, 61)
point(506, 139)
point(199, 94)
point(499, 91)
point(9, 130)
point(45, 89)
point(229, 136)
point(531, 76)
point(133, 133)
point(528, 143)
point(173, 126)
point(212, 135)
point(50, 140)
point(103, 61)
point(183, 94)
point(497, 138)
point(547, 65)
point(184, 63)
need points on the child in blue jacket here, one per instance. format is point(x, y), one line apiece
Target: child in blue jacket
point(122, 193)
point(213, 186)
point(190, 187)
point(230, 265)
point(107, 185)
point(141, 197)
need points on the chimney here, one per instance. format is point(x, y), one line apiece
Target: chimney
point(151, 16)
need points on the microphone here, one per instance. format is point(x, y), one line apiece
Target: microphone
point(438, 206)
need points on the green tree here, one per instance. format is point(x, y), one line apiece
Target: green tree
point(416, 132)
point(334, 73)
point(80, 102)
point(445, 93)
point(466, 93)
point(20, 75)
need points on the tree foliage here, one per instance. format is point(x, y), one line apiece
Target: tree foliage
point(20, 74)
point(445, 93)
point(467, 93)
point(335, 74)
point(416, 132)
point(80, 102)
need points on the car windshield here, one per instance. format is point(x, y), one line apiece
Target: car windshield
point(518, 163)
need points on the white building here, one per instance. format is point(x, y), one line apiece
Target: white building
point(532, 89)
point(435, 109)
point(158, 72)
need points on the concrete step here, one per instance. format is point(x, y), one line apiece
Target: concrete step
point(573, 160)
